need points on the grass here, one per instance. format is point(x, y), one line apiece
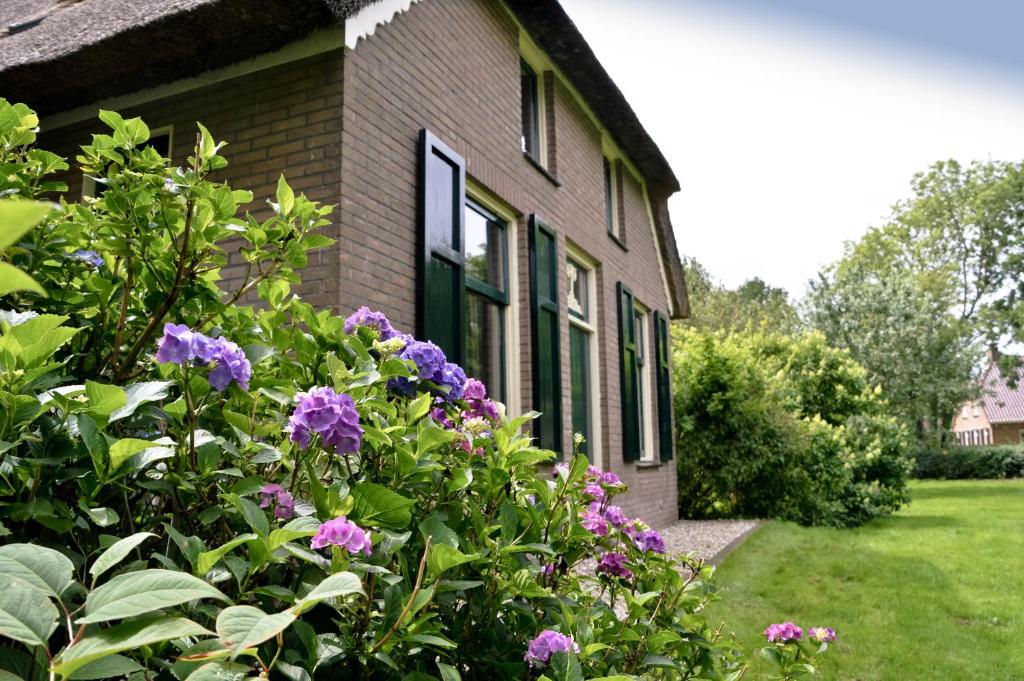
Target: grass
point(934, 592)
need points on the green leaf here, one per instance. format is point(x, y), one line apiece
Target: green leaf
point(243, 626)
point(565, 667)
point(95, 443)
point(252, 513)
point(431, 640)
point(207, 559)
point(338, 584)
point(448, 672)
point(125, 636)
point(103, 516)
point(219, 671)
point(295, 529)
point(136, 593)
point(418, 408)
point(377, 505)
point(207, 147)
point(122, 450)
point(12, 279)
point(138, 394)
point(104, 399)
point(17, 216)
point(107, 668)
point(443, 557)
point(285, 197)
point(117, 552)
point(432, 526)
point(43, 568)
point(26, 614)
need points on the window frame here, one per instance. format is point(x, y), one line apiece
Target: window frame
point(481, 200)
point(538, 74)
point(645, 393)
point(591, 326)
point(612, 188)
point(89, 184)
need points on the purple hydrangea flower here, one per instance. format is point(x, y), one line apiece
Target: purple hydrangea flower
point(474, 389)
point(594, 491)
point(429, 359)
point(610, 479)
point(650, 540)
point(615, 516)
point(331, 415)
point(90, 258)
point(231, 365)
point(371, 319)
point(344, 533)
point(821, 634)
point(440, 417)
point(454, 378)
point(614, 564)
point(595, 522)
point(593, 472)
point(282, 500)
point(548, 642)
point(548, 569)
point(787, 631)
point(204, 348)
point(176, 345)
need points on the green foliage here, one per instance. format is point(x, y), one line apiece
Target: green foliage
point(774, 426)
point(753, 306)
point(971, 463)
point(131, 489)
point(914, 299)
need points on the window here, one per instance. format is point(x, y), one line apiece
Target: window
point(530, 93)
point(640, 319)
point(465, 282)
point(629, 383)
point(965, 411)
point(545, 315)
point(585, 381)
point(662, 361)
point(977, 410)
point(159, 139)
point(611, 202)
point(486, 259)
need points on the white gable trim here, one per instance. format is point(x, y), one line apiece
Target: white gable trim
point(364, 23)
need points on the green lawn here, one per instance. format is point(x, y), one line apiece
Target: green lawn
point(935, 592)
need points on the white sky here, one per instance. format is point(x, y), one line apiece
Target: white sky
point(788, 140)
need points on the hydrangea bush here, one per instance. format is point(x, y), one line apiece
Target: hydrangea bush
point(193, 488)
point(792, 655)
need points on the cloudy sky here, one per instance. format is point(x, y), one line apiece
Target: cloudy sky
point(794, 125)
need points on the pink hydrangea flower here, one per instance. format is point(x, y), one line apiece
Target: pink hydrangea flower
point(614, 515)
point(594, 491)
point(595, 522)
point(781, 633)
point(344, 533)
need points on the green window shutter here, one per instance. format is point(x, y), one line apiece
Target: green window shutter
point(545, 322)
point(442, 279)
point(661, 365)
point(629, 377)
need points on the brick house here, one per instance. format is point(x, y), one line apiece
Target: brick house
point(997, 417)
point(496, 192)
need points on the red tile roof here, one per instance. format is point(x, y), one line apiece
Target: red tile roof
point(1002, 403)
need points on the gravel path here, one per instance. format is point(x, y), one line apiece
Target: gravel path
point(710, 539)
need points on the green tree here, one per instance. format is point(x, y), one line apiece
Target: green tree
point(754, 305)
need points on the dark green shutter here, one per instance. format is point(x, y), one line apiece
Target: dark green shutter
point(663, 350)
point(545, 322)
point(442, 198)
point(629, 377)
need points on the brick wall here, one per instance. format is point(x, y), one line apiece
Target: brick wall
point(453, 67)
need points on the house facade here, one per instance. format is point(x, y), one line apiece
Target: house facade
point(495, 192)
point(997, 416)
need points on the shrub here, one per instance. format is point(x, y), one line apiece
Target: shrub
point(198, 489)
point(773, 426)
point(976, 463)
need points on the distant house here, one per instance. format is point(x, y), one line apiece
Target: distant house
point(496, 193)
point(995, 418)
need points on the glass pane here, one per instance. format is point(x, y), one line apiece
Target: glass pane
point(485, 345)
point(528, 85)
point(577, 285)
point(579, 359)
point(641, 338)
point(608, 201)
point(485, 248)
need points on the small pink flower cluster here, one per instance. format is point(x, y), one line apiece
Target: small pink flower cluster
point(781, 633)
point(344, 533)
point(280, 498)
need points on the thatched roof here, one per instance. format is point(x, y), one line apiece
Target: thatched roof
point(56, 55)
